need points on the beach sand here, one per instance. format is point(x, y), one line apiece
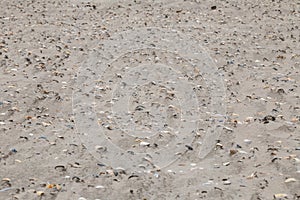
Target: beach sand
point(49, 89)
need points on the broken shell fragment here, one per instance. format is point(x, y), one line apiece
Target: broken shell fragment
point(279, 196)
point(289, 180)
point(60, 168)
point(253, 175)
point(58, 187)
point(40, 193)
point(144, 144)
point(247, 141)
point(6, 180)
point(227, 182)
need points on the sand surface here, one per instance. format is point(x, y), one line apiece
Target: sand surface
point(133, 99)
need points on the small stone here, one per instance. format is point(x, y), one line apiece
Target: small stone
point(99, 187)
point(268, 118)
point(49, 186)
point(213, 7)
point(82, 198)
point(189, 147)
point(233, 151)
point(13, 150)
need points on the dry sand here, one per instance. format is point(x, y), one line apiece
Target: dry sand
point(49, 89)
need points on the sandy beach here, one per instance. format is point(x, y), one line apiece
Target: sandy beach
point(149, 99)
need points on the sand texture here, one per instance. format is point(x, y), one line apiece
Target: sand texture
point(149, 100)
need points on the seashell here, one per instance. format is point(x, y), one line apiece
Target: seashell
point(60, 168)
point(40, 193)
point(144, 144)
point(289, 180)
point(6, 180)
point(280, 195)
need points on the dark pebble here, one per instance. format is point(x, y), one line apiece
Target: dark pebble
point(189, 147)
point(268, 118)
point(13, 150)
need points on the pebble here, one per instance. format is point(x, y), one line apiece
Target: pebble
point(213, 7)
point(189, 147)
point(233, 151)
point(99, 187)
point(268, 118)
point(82, 198)
point(13, 150)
